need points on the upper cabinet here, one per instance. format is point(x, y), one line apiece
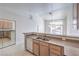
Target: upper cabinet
point(7, 24)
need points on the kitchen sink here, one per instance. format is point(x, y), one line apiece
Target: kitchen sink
point(43, 38)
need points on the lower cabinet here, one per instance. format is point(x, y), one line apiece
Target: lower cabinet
point(56, 50)
point(44, 49)
point(5, 34)
point(36, 47)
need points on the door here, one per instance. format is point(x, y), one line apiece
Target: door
point(36, 48)
point(44, 49)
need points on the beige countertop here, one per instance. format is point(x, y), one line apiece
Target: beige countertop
point(71, 48)
point(53, 36)
point(35, 33)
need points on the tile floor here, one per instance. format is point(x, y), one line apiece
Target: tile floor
point(15, 50)
point(5, 42)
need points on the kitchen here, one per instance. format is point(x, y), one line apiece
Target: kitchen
point(49, 29)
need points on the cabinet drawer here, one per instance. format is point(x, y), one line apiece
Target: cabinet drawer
point(44, 43)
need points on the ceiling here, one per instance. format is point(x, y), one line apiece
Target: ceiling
point(24, 8)
point(30, 8)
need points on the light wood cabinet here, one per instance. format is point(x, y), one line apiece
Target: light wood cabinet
point(44, 49)
point(5, 34)
point(56, 50)
point(36, 47)
point(5, 25)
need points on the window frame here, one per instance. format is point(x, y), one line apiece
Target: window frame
point(57, 25)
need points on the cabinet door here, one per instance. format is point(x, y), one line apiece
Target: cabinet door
point(7, 34)
point(56, 50)
point(29, 43)
point(36, 48)
point(5, 25)
point(44, 49)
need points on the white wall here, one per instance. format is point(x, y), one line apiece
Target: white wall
point(39, 23)
point(23, 25)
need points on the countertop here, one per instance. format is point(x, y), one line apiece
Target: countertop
point(46, 34)
point(71, 48)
